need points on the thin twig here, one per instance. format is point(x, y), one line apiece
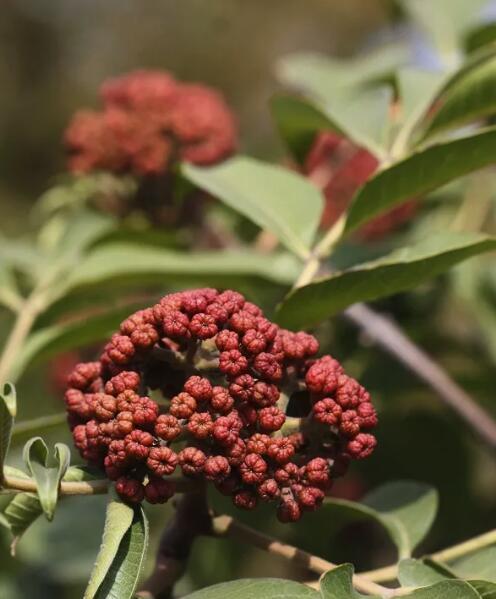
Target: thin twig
point(90, 487)
point(387, 334)
point(446, 555)
point(226, 526)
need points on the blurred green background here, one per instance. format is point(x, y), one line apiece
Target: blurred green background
point(53, 57)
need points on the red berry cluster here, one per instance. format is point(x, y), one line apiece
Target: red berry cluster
point(204, 383)
point(339, 168)
point(148, 120)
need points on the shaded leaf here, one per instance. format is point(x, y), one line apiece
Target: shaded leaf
point(480, 36)
point(470, 97)
point(423, 171)
point(122, 262)
point(454, 589)
point(81, 473)
point(486, 590)
point(274, 198)
point(47, 471)
point(298, 123)
point(338, 584)
point(478, 565)
point(257, 588)
point(420, 573)
point(9, 296)
point(20, 513)
point(22, 509)
point(118, 521)
point(37, 425)
point(58, 338)
point(403, 269)
point(404, 509)
point(8, 408)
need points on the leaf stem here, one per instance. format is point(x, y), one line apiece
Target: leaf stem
point(446, 555)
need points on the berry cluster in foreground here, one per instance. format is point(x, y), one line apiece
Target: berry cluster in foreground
point(340, 168)
point(202, 382)
point(148, 121)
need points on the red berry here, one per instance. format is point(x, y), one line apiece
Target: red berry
point(161, 461)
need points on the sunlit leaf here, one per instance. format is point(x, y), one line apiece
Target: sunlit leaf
point(322, 77)
point(120, 560)
point(444, 22)
point(423, 171)
point(274, 198)
point(257, 588)
point(121, 262)
point(404, 269)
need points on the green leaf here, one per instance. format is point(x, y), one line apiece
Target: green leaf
point(22, 510)
point(486, 590)
point(323, 77)
point(8, 407)
point(46, 470)
point(470, 97)
point(423, 171)
point(338, 584)
point(417, 88)
point(9, 296)
point(121, 557)
point(123, 576)
point(363, 118)
point(58, 338)
point(298, 122)
point(81, 473)
point(36, 425)
point(480, 36)
point(421, 573)
point(477, 565)
point(124, 262)
point(401, 270)
point(256, 588)
point(274, 198)
point(444, 21)
point(405, 509)
point(452, 589)
point(74, 193)
point(118, 521)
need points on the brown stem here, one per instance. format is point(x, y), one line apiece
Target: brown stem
point(190, 520)
point(226, 526)
point(385, 332)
